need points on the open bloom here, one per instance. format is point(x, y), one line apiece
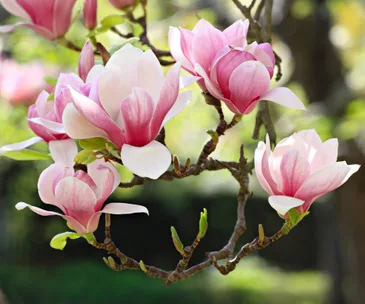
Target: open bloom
point(135, 102)
point(232, 71)
point(51, 18)
point(45, 116)
point(300, 170)
point(79, 195)
point(21, 84)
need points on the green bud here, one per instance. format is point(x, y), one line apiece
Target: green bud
point(203, 224)
point(214, 136)
point(143, 266)
point(295, 217)
point(176, 240)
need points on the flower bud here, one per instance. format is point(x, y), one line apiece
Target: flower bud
point(90, 14)
point(121, 4)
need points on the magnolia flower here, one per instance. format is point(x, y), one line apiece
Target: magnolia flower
point(51, 18)
point(232, 71)
point(45, 116)
point(135, 102)
point(90, 14)
point(21, 84)
point(79, 195)
point(300, 170)
point(120, 4)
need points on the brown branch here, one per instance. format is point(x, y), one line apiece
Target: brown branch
point(263, 118)
point(259, 10)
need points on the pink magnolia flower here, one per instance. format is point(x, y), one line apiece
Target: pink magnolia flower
point(21, 83)
point(90, 14)
point(120, 4)
point(300, 170)
point(232, 71)
point(51, 18)
point(79, 195)
point(45, 116)
point(135, 102)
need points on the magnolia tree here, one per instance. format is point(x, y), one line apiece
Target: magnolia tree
point(117, 112)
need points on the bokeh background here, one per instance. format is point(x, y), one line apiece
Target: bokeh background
point(322, 44)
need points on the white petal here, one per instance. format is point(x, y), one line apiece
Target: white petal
point(151, 160)
point(284, 97)
point(77, 126)
point(20, 145)
point(95, 73)
point(15, 8)
point(53, 126)
point(353, 169)
point(63, 151)
point(188, 80)
point(282, 204)
point(179, 105)
point(123, 208)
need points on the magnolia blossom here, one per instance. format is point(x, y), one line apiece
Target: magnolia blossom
point(135, 102)
point(51, 18)
point(120, 4)
point(21, 83)
point(300, 170)
point(232, 71)
point(79, 195)
point(90, 14)
point(45, 116)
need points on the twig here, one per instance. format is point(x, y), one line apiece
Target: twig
point(263, 118)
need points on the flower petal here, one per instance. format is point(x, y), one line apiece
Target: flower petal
point(39, 211)
point(176, 51)
point(137, 113)
point(248, 81)
point(185, 81)
point(325, 155)
point(180, 104)
point(20, 145)
point(15, 8)
point(86, 61)
point(93, 113)
point(123, 208)
point(63, 151)
point(150, 161)
point(76, 126)
point(259, 154)
point(236, 33)
point(353, 169)
point(282, 204)
point(53, 126)
point(284, 97)
point(294, 169)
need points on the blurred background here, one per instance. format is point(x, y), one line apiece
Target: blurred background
point(322, 44)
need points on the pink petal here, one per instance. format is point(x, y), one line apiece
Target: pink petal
point(62, 16)
point(86, 61)
point(176, 51)
point(123, 208)
point(14, 8)
point(248, 81)
point(52, 126)
point(76, 126)
point(77, 198)
point(106, 180)
point(95, 73)
point(282, 204)
point(63, 151)
point(352, 169)
point(262, 53)
point(149, 161)
point(323, 181)
point(93, 113)
point(45, 32)
point(206, 43)
point(294, 170)
point(284, 97)
point(186, 42)
point(325, 155)
point(310, 138)
point(94, 171)
point(259, 154)
point(168, 97)
point(236, 33)
point(180, 104)
point(85, 177)
point(150, 74)
point(21, 145)
point(137, 112)
point(224, 68)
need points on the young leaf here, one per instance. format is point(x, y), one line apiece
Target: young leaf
point(59, 241)
point(176, 240)
point(203, 224)
point(85, 157)
point(51, 80)
point(96, 143)
point(26, 155)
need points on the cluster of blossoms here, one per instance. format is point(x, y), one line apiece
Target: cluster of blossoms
point(129, 100)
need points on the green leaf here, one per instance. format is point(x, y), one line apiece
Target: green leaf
point(50, 97)
point(59, 241)
point(96, 143)
point(51, 80)
point(117, 47)
point(176, 240)
point(26, 155)
point(85, 157)
point(295, 216)
point(203, 224)
point(107, 23)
